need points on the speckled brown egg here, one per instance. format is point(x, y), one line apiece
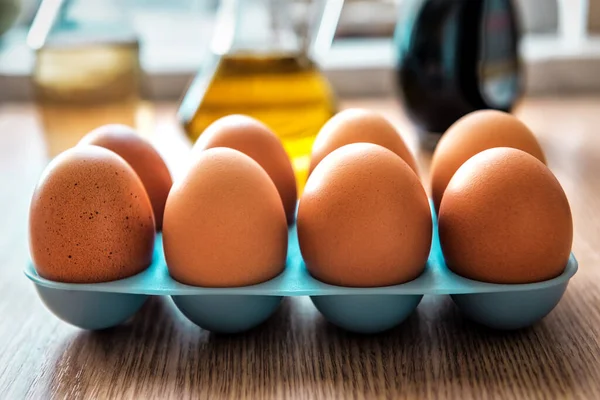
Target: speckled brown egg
point(256, 140)
point(505, 219)
point(142, 157)
point(364, 219)
point(90, 219)
point(224, 223)
point(475, 132)
point(359, 126)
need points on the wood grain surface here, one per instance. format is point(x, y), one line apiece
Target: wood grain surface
point(296, 354)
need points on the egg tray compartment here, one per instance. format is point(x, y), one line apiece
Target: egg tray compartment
point(365, 310)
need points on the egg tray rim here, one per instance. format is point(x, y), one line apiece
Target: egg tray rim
point(295, 280)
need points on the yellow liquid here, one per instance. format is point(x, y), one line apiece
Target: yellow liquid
point(79, 88)
point(289, 94)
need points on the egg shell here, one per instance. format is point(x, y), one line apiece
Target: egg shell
point(364, 219)
point(473, 133)
point(505, 219)
point(142, 157)
point(90, 219)
point(256, 140)
point(359, 126)
point(224, 223)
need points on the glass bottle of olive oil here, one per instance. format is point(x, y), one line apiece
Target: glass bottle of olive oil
point(262, 66)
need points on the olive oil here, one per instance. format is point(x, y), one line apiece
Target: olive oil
point(286, 92)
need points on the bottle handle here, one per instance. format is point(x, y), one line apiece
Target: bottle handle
point(324, 30)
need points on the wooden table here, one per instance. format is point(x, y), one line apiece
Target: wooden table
point(435, 354)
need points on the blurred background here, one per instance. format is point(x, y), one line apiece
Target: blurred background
point(86, 63)
point(174, 37)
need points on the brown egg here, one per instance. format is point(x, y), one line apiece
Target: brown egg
point(475, 132)
point(364, 219)
point(90, 219)
point(505, 219)
point(359, 126)
point(254, 139)
point(142, 157)
point(224, 223)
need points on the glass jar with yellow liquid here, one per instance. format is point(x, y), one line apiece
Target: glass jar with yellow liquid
point(263, 65)
point(87, 70)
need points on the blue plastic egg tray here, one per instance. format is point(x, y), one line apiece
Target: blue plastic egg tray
point(365, 310)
